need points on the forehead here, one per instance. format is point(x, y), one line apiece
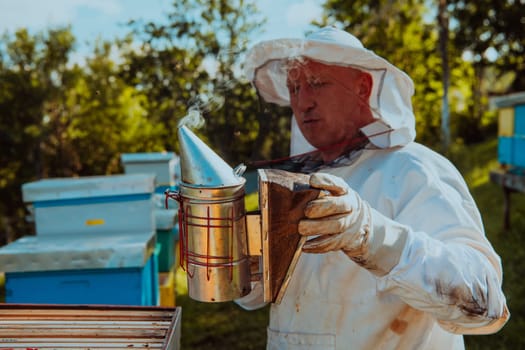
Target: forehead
point(304, 66)
point(307, 68)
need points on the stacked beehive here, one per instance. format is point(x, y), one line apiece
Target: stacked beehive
point(511, 130)
point(95, 243)
point(165, 166)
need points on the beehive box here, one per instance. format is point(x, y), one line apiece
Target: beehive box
point(519, 156)
point(511, 129)
point(506, 150)
point(166, 237)
point(519, 119)
point(167, 252)
point(85, 205)
point(89, 327)
point(165, 166)
point(167, 284)
point(506, 122)
point(118, 269)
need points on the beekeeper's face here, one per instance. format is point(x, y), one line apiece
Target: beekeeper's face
point(330, 103)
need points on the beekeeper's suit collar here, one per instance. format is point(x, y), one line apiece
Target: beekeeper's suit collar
point(390, 100)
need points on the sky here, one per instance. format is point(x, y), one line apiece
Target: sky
point(92, 19)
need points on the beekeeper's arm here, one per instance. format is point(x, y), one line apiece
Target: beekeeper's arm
point(451, 273)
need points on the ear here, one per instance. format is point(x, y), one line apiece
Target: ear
point(365, 85)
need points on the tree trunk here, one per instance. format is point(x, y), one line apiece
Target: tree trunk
point(443, 42)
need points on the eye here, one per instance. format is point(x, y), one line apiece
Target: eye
point(317, 83)
point(293, 87)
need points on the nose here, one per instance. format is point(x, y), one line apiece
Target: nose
point(305, 99)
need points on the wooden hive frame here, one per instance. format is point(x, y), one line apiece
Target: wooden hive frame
point(42, 326)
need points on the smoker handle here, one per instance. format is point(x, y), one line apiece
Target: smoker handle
point(172, 193)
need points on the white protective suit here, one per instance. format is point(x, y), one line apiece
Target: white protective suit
point(431, 274)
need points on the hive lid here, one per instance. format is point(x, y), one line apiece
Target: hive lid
point(87, 186)
point(148, 157)
point(510, 100)
point(98, 250)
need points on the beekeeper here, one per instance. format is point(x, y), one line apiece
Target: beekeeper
point(397, 257)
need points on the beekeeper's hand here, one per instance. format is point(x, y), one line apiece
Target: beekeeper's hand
point(340, 220)
point(338, 217)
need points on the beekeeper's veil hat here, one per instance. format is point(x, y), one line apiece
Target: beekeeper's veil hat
point(390, 100)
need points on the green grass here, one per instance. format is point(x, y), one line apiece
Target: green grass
point(218, 325)
point(226, 326)
point(475, 163)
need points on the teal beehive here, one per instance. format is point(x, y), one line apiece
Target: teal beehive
point(511, 129)
point(116, 269)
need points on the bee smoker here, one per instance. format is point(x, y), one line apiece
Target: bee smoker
point(213, 241)
point(223, 248)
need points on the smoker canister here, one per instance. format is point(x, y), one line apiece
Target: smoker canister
point(214, 247)
point(213, 239)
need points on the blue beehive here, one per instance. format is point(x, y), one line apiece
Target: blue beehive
point(167, 237)
point(116, 269)
point(511, 129)
point(90, 204)
point(164, 165)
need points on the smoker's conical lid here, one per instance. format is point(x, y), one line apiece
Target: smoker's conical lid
point(200, 166)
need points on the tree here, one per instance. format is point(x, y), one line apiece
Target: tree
point(108, 116)
point(443, 24)
point(60, 120)
point(191, 62)
point(492, 32)
point(33, 78)
point(490, 35)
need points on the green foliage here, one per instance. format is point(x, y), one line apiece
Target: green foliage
point(109, 117)
point(492, 35)
point(486, 26)
point(33, 80)
point(251, 201)
point(190, 62)
point(60, 120)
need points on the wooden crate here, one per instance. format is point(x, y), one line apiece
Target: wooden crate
point(44, 326)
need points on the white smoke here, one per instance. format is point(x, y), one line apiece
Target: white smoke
point(213, 100)
point(193, 120)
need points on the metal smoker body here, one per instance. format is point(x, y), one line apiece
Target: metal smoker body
point(213, 238)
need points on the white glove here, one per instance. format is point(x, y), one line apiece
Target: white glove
point(338, 217)
point(341, 220)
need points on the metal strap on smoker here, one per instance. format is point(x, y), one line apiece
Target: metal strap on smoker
point(188, 257)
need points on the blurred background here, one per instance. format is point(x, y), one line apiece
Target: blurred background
point(83, 82)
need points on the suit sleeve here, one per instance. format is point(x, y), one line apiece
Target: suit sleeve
point(427, 246)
